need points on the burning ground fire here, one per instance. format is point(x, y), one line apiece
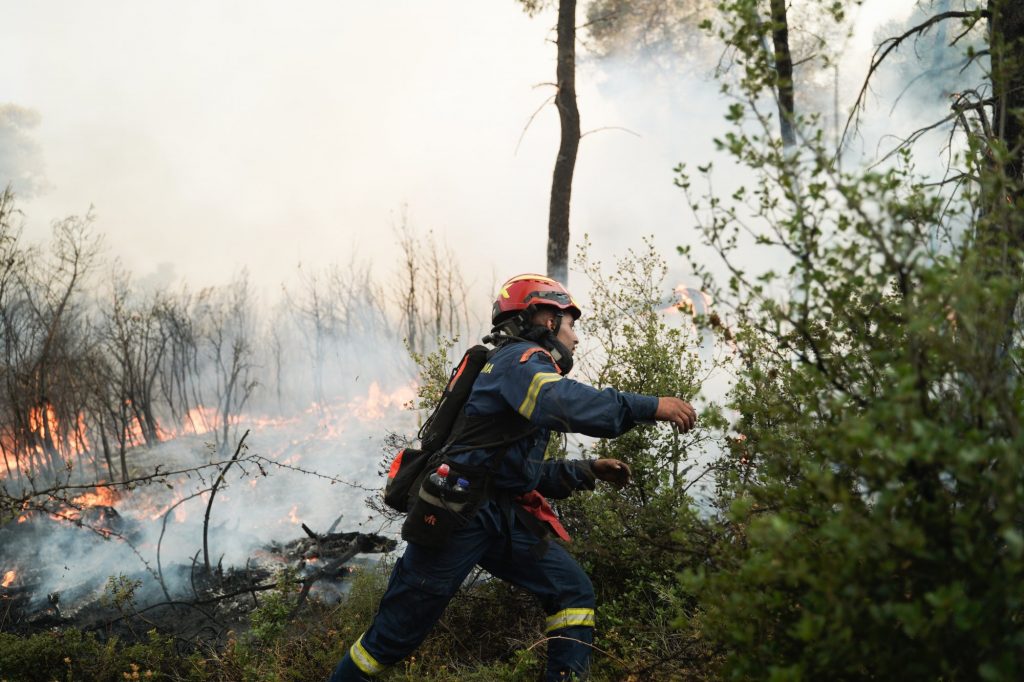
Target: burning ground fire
point(46, 430)
point(377, 403)
point(373, 407)
point(102, 496)
point(124, 528)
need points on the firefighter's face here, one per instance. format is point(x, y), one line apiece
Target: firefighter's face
point(567, 333)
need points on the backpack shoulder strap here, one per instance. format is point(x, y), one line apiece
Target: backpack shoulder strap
point(438, 427)
point(530, 352)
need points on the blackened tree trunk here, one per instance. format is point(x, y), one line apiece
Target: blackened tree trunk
point(1007, 43)
point(105, 442)
point(1007, 46)
point(565, 164)
point(999, 228)
point(783, 71)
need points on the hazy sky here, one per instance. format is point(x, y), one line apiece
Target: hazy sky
point(215, 135)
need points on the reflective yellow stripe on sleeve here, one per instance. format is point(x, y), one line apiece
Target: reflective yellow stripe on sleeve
point(363, 660)
point(530, 401)
point(567, 618)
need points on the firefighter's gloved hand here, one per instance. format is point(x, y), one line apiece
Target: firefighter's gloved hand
point(612, 470)
point(679, 412)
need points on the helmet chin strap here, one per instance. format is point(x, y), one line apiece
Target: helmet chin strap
point(561, 354)
point(558, 322)
point(521, 327)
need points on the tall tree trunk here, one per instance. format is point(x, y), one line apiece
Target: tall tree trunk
point(106, 447)
point(783, 71)
point(124, 461)
point(1007, 43)
point(7, 461)
point(1001, 229)
point(121, 421)
point(565, 164)
point(1000, 224)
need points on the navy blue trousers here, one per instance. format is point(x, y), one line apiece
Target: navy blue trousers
point(425, 579)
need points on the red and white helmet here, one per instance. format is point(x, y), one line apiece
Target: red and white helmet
point(522, 291)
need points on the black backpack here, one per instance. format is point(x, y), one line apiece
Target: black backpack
point(410, 464)
point(447, 424)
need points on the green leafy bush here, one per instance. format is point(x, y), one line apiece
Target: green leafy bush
point(75, 655)
point(872, 510)
point(633, 541)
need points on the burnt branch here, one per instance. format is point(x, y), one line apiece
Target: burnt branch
point(163, 529)
point(42, 499)
point(327, 571)
point(309, 472)
point(213, 494)
point(890, 44)
point(529, 122)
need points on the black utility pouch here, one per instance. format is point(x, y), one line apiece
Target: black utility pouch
point(407, 470)
point(439, 511)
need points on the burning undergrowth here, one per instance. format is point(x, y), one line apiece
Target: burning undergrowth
point(204, 606)
point(196, 537)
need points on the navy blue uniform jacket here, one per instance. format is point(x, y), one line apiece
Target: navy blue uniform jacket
point(523, 378)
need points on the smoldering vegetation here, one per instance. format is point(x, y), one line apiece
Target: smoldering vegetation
point(165, 444)
point(96, 366)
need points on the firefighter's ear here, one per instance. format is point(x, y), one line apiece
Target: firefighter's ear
point(545, 319)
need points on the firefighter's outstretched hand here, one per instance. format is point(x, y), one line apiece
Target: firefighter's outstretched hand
point(679, 412)
point(612, 470)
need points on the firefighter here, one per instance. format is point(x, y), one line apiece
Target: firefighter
point(508, 536)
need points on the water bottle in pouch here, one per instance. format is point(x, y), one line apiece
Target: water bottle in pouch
point(442, 507)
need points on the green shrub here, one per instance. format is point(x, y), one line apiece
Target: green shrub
point(73, 655)
point(872, 519)
point(633, 541)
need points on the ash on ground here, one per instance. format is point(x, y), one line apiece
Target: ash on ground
point(211, 606)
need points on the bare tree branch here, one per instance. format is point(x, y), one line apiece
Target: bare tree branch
point(886, 48)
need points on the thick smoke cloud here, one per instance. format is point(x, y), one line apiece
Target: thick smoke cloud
point(170, 211)
point(21, 156)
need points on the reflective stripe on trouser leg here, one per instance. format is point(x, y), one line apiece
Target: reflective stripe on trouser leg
point(564, 590)
point(571, 633)
point(363, 660)
point(567, 618)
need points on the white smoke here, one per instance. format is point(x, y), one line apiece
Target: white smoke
point(21, 156)
point(313, 167)
point(330, 459)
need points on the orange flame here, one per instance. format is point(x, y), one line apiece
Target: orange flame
point(691, 301)
point(103, 496)
point(377, 402)
point(43, 419)
point(43, 424)
point(37, 418)
point(8, 579)
point(200, 420)
point(83, 442)
point(156, 511)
